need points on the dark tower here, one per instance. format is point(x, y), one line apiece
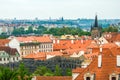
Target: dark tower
point(96, 30)
point(96, 22)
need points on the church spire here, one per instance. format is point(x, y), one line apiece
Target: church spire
point(96, 22)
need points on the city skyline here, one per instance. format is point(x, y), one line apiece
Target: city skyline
point(69, 9)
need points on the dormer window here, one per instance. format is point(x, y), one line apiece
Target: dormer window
point(89, 76)
point(113, 76)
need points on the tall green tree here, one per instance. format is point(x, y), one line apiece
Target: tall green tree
point(8, 74)
point(23, 73)
point(68, 72)
point(58, 71)
point(43, 71)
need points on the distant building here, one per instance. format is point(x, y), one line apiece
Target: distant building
point(96, 30)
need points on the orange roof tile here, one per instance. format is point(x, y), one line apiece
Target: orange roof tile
point(3, 42)
point(67, 44)
point(39, 55)
point(54, 78)
point(41, 39)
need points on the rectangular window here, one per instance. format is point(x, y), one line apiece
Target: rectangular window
point(113, 78)
point(0, 59)
point(118, 60)
point(4, 59)
point(87, 78)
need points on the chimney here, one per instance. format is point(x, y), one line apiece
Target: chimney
point(82, 41)
point(53, 41)
point(58, 41)
point(118, 60)
point(72, 41)
point(99, 60)
point(100, 49)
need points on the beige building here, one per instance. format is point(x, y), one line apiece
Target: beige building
point(34, 44)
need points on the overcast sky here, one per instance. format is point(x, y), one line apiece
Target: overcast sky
point(69, 9)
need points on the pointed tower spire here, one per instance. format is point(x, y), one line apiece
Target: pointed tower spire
point(96, 22)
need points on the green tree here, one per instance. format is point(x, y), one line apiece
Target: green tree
point(23, 73)
point(58, 71)
point(43, 71)
point(8, 74)
point(68, 72)
point(30, 30)
point(110, 29)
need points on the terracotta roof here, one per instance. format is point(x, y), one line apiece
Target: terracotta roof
point(41, 39)
point(111, 37)
point(53, 77)
point(42, 55)
point(67, 44)
point(36, 56)
point(107, 68)
point(109, 45)
point(3, 42)
point(56, 53)
point(10, 51)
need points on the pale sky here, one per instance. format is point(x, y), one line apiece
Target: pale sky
point(69, 9)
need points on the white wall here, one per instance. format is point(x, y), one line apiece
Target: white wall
point(14, 43)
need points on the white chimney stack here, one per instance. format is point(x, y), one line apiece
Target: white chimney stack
point(99, 60)
point(72, 41)
point(118, 60)
point(58, 41)
point(53, 41)
point(100, 49)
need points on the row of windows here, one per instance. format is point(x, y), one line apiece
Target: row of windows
point(29, 47)
point(45, 50)
point(45, 46)
point(34, 47)
point(7, 59)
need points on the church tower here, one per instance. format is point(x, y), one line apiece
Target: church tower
point(96, 30)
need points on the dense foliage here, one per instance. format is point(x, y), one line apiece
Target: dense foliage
point(111, 29)
point(44, 71)
point(55, 31)
point(22, 73)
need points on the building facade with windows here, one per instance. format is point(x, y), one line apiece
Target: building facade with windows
point(35, 44)
point(8, 55)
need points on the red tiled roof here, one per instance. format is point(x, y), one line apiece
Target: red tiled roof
point(39, 55)
point(107, 68)
point(41, 39)
point(111, 37)
point(53, 77)
point(42, 55)
point(3, 42)
point(67, 44)
point(10, 51)
point(56, 53)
